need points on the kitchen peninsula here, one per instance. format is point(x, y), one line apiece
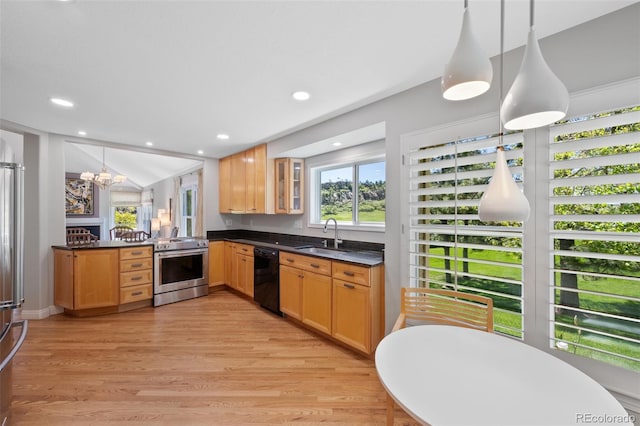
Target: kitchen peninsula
point(103, 277)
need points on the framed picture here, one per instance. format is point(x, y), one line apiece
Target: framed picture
point(81, 197)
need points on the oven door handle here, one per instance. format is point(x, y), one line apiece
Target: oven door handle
point(178, 253)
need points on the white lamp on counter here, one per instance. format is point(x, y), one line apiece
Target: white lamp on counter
point(155, 227)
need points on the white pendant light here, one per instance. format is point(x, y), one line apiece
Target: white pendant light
point(502, 201)
point(537, 97)
point(469, 72)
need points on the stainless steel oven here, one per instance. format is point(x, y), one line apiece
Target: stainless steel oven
point(181, 270)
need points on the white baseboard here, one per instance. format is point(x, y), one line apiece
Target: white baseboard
point(37, 314)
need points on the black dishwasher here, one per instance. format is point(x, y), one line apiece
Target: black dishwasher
point(266, 278)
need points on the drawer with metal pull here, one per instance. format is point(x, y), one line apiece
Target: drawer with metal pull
point(136, 293)
point(307, 263)
point(136, 277)
point(351, 273)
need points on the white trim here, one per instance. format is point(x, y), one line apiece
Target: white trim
point(38, 314)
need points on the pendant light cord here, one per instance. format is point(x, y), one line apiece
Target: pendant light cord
point(530, 13)
point(501, 131)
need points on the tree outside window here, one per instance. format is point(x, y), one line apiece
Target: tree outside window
point(354, 193)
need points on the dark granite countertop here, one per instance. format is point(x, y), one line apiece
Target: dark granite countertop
point(360, 257)
point(104, 244)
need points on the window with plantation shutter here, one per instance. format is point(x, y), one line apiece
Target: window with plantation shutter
point(595, 236)
point(449, 247)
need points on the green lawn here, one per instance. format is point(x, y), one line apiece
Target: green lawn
point(507, 316)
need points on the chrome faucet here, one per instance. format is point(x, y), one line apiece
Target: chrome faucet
point(336, 240)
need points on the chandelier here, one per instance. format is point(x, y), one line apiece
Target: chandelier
point(102, 179)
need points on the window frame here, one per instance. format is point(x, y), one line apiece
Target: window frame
point(537, 262)
point(193, 187)
point(314, 188)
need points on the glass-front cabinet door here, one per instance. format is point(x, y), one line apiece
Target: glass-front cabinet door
point(289, 185)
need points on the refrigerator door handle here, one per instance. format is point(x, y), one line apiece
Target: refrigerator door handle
point(17, 239)
point(25, 325)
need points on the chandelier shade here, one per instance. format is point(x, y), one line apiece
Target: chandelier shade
point(503, 200)
point(469, 72)
point(537, 97)
point(104, 178)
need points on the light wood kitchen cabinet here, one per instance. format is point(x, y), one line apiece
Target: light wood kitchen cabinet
point(224, 185)
point(238, 187)
point(305, 289)
point(229, 255)
point(291, 291)
point(358, 318)
point(256, 179)
point(242, 268)
point(289, 186)
point(86, 279)
point(242, 181)
point(136, 274)
point(216, 263)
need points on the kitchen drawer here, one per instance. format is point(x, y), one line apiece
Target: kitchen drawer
point(244, 249)
point(135, 252)
point(307, 263)
point(136, 278)
point(136, 293)
point(136, 264)
point(352, 273)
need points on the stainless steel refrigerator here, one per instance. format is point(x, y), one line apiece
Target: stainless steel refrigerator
point(13, 332)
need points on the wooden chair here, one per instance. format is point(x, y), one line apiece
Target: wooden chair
point(76, 236)
point(116, 232)
point(134, 236)
point(439, 306)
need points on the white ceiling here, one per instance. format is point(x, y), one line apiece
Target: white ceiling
point(179, 72)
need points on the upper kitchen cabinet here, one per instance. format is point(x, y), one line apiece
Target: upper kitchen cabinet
point(289, 177)
point(242, 181)
point(255, 173)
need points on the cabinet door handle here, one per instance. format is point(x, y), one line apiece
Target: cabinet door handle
point(136, 252)
point(136, 265)
point(300, 276)
point(315, 265)
point(244, 249)
point(138, 278)
point(351, 286)
point(349, 273)
point(289, 260)
point(136, 293)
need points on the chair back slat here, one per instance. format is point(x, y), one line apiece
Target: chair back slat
point(76, 236)
point(447, 307)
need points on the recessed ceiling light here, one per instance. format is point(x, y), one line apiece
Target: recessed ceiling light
point(336, 143)
point(300, 96)
point(200, 152)
point(62, 102)
point(222, 136)
point(82, 133)
point(149, 143)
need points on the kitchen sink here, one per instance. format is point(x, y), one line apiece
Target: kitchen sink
point(347, 255)
point(321, 251)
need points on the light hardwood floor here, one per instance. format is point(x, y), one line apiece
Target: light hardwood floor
point(215, 360)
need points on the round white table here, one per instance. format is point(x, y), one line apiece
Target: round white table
point(444, 375)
